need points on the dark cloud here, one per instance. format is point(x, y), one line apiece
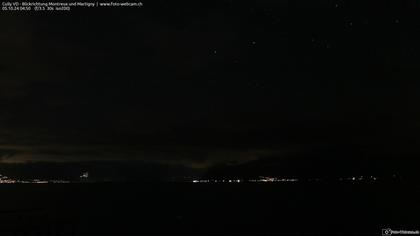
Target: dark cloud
point(6, 154)
point(194, 157)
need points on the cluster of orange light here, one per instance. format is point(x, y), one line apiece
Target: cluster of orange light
point(7, 180)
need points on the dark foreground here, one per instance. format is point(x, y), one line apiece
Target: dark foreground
point(208, 209)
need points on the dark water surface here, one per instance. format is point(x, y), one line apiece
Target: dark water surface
point(208, 209)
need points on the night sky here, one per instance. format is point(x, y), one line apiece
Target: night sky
point(198, 83)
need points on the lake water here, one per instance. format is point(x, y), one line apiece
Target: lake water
point(208, 209)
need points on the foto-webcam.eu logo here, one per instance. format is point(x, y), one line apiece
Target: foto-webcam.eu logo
point(399, 232)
